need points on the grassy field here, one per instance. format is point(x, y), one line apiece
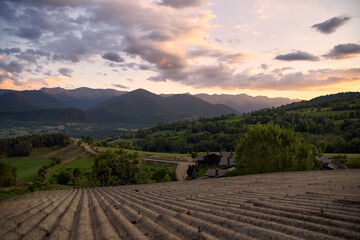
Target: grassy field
point(84, 164)
point(27, 167)
point(165, 156)
point(155, 166)
point(353, 163)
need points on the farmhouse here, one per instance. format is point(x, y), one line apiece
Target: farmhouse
point(224, 160)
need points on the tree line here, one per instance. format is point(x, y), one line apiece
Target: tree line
point(23, 146)
point(113, 168)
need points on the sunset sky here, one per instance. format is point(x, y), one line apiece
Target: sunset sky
point(279, 48)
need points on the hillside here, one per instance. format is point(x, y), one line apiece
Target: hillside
point(48, 115)
point(196, 106)
point(331, 122)
point(82, 98)
point(146, 107)
point(28, 100)
point(293, 205)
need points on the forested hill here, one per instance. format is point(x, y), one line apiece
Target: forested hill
point(332, 122)
point(334, 102)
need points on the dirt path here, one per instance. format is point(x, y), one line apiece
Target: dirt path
point(181, 170)
point(90, 149)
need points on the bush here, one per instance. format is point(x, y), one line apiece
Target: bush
point(39, 184)
point(163, 174)
point(270, 148)
point(65, 177)
point(7, 174)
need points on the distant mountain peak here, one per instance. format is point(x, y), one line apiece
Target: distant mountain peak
point(245, 103)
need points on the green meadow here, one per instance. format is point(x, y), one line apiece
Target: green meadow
point(84, 164)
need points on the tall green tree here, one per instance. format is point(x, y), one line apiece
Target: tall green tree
point(7, 174)
point(118, 168)
point(271, 148)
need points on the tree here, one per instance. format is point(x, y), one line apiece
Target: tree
point(271, 148)
point(194, 155)
point(7, 174)
point(118, 168)
point(19, 148)
point(65, 177)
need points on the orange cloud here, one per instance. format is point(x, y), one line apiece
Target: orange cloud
point(31, 83)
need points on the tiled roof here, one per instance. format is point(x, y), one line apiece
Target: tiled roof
point(292, 205)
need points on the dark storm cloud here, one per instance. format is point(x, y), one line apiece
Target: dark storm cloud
point(111, 56)
point(65, 72)
point(9, 51)
point(120, 86)
point(297, 56)
point(13, 67)
point(184, 3)
point(343, 51)
point(331, 25)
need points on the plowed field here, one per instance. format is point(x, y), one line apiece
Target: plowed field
point(295, 205)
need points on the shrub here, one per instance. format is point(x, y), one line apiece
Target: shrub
point(65, 177)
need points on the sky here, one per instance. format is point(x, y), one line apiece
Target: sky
point(298, 49)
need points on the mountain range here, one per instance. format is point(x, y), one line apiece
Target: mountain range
point(109, 105)
point(82, 98)
point(244, 103)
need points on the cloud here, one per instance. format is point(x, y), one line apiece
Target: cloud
point(281, 70)
point(32, 56)
point(331, 25)
point(9, 82)
point(227, 78)
point(13, 67)
point(111, 56)
point(235, 58)
point(120, 86)
point(297, 56)
point(184, 3)
point(29, 33)
point(9, 51)
point(264, 66)
point(160, 39)
point(343, 51)
point(66, 72)
point(170, 40)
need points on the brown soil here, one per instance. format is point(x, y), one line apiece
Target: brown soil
point(292, 205)
point(181, 170)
